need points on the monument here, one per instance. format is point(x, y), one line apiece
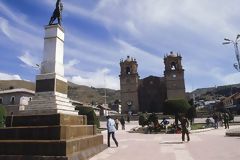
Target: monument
point(50, 128)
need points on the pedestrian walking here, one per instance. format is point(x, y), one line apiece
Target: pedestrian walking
point(185, 124)
point(226, 120)
point(116, 122)
point(220, 120)
point(122, 121)
point(111, 130)
point(128, 119)
point(215, 118)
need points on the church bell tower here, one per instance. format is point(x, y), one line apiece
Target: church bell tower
point(129, 81)
point(174, 76)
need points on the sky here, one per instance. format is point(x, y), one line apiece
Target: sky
point(98, 33)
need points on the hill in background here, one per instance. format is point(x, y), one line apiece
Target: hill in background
point(91, 95)
point(225, 90)
point(76, 92)
point(10, 84)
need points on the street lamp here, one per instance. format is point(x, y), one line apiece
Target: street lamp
point(235, 44)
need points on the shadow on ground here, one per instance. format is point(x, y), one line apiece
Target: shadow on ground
point(171, 142)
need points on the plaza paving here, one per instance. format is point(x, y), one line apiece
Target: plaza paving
point(209, 145)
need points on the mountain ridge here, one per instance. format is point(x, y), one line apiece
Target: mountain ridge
point(76, 92)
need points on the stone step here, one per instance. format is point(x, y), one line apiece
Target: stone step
point(43, 101)
point(46, 120)
point(27, 157)
point(47, 132)
point(82, 155)
point(44, 104)
point(44, 98)
point(48, 111)
point(50, 94)
point(50, 106)
point(49, 147)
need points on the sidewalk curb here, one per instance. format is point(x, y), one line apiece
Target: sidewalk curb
point(201, 130)
point(233, 132)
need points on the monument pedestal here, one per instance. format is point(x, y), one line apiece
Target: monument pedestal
point(50, 97)
point(50, 128)
point(49, 137)
point(51, 86)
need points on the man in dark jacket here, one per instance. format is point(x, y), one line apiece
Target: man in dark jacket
point(185, 125)
point(226, 120)
point(122, 121)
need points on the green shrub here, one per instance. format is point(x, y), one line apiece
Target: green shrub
point(142, 120)
point(153, 118)
point(92, 119)
point(2, 116)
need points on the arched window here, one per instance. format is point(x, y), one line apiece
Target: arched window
point(11, 87)
point(173, 66)
point(128, 70)
point(12, 100)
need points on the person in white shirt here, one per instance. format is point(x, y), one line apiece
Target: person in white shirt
point(111, 130)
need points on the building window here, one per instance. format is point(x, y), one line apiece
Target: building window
point(12, 101)
point(1, 100)
point(128, 70)
point(173, 66)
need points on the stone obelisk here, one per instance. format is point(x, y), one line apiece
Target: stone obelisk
point(51, 86)
point(49, 128)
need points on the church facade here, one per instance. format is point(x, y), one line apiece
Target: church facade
point(150, 93)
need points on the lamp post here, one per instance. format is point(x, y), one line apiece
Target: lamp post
point(235, 44)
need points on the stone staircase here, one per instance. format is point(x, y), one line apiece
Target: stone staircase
point(49, 137)
point(50, 103)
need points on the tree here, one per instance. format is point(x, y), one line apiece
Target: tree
point(153, 118)
point(92, 119)
point(142, 120)
point(191, 114)
point(176, 107)
point(2, 116)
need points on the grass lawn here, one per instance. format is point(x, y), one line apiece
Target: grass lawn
point(198, 126)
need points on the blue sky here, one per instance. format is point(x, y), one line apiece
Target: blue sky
point(98, 33)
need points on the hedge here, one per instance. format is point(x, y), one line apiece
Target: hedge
point(92, 119)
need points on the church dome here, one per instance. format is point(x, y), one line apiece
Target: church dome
point(172, 54)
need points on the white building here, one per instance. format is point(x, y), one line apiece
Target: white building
point(15, 100)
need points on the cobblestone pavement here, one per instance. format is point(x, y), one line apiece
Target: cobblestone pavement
point(208, 145)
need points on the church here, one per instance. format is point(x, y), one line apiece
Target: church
point(150, 93)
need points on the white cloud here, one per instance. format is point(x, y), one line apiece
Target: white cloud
point(148, 62)
point(4, 27)
point(70, 67)
point(225, 78)
point(90, 50)
point(131, 27)
point(17, 17)
point(231, 78)
point(21, 37)
point(29, 60)
point(100, 79)
point(5, 76)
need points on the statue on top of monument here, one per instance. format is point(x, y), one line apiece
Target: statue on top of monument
point(57, 13)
